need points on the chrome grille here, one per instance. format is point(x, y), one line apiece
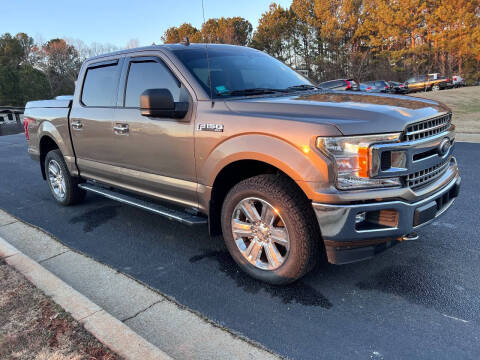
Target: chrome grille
point(427, 128)
point(424, 177)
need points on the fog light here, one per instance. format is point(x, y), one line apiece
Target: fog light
point(360, 217)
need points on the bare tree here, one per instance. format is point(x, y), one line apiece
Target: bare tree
point(132, 43)
point(94, 49)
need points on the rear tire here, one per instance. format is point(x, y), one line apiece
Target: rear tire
point(63, 187)
point(280, 246)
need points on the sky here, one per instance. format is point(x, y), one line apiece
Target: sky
point(118, 21)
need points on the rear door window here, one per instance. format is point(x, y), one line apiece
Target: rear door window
point(337, 83)
point(100, 86)
point(151, 74)
point(327, 84)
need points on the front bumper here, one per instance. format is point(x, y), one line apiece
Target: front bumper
point(348, 241)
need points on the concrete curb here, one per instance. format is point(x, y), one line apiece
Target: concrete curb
point(177, 330)
point(108, 330)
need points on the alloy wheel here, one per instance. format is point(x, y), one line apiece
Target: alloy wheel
point(56, 179)
point(260, 233)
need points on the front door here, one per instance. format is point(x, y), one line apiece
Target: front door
point(157, 153)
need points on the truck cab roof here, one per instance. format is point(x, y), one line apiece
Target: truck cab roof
point(173, 47)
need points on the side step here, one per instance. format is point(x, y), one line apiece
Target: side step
point(172, 214)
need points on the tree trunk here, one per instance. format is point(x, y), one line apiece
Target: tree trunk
point(460, 63)
point(443, 62)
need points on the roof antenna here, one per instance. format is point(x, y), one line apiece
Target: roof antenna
point(208, 60)
point(186, 41)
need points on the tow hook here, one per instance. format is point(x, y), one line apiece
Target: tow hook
point(410, 237)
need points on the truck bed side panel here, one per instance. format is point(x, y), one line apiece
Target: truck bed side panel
point(51, 119)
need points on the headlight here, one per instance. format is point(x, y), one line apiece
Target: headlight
point(351, 159)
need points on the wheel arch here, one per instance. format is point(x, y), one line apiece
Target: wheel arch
point(298, 158)
point(248, 155)
point(232, 174)
point(46, 145)
point(59, 134)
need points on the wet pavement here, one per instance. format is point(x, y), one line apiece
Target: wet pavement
point(417, 300)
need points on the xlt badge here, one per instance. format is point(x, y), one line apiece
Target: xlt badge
point(210, 127)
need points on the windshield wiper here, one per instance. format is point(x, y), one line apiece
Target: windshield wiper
point(301, 87)
point(252, 91)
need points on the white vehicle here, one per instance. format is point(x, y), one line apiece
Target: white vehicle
point(11, 115)
point(458, 81)
point(7, 118)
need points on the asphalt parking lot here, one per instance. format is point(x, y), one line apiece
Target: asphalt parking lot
point(418, 300)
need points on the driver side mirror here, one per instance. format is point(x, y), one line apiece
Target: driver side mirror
point(160, 103)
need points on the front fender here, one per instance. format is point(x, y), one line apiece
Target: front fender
point(303, 162)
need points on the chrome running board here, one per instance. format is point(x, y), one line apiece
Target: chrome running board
point(172, 214)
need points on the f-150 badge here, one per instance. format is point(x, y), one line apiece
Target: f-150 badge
point(210, 127)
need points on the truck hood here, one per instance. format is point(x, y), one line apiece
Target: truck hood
point(351, 112)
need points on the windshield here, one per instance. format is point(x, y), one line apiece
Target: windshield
point(239, 71)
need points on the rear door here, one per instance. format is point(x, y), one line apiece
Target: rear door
point(157, 153)
point(92, 120)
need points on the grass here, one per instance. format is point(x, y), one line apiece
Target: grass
point(465, 104)
point(34, 327)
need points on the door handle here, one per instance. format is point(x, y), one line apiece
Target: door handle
point(77, 125)
point(120, 129)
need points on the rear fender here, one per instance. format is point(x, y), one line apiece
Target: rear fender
point(61, 136)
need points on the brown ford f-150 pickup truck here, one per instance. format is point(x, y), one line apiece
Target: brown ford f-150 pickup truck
point(289, 173)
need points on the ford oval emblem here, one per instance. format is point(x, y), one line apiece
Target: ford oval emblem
point(444, 147)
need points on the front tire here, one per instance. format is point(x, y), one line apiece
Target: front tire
point(63, 187)
point(270, 229)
